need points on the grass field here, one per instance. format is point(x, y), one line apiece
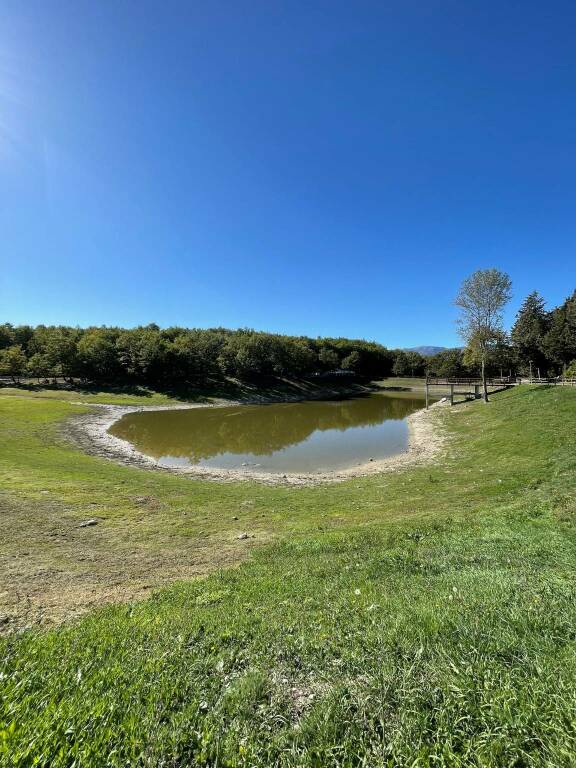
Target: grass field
point(403, 382)
point(424, 618)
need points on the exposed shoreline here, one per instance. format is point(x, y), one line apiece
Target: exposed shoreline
point(90, 432)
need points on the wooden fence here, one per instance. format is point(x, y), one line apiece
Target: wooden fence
point(474, 391)
point(473, 388)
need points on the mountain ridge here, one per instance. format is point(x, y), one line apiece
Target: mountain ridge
point(426, 351)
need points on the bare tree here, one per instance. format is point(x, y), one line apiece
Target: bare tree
point(481, 299)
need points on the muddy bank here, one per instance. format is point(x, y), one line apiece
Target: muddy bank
point(90, 432)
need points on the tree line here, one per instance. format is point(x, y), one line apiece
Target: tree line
point(154, 356)
point(540, 341)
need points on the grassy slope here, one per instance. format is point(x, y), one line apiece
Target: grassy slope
point(424, 618)
point(262, 387)
point(127, 396)
point(155, 528)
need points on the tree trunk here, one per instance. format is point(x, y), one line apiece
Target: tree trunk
point(484, 387)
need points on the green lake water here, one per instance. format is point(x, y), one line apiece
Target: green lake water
point(311, 436)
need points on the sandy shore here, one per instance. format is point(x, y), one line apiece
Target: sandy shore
point(90, 432)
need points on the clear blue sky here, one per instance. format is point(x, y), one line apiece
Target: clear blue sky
point(306, 166)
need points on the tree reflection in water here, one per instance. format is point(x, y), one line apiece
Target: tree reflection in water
point(254, 431)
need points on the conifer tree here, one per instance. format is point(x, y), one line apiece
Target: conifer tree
point(529, 330)
point(560, 340)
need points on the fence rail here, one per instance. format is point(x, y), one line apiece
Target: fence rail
point(494, 385)
point(493, 381)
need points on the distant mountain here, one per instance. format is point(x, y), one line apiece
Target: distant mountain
point(426, 351)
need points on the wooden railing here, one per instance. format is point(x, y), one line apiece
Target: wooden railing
point(494, 385)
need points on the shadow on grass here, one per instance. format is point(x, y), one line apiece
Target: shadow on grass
point(522, 391)
point(206, 388)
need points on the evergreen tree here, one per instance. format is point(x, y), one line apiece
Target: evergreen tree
point(560, 340)
point(529, 331)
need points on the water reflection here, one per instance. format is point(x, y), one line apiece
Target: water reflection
point(281, 437)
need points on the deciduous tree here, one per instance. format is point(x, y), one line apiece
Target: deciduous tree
point(481, 299)
point(328, 358)
point(12, 362)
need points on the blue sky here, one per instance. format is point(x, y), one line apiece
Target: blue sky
point(324, 168)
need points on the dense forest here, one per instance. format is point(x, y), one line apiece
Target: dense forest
point(149, 355)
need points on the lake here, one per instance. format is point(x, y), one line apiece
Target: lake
point(302, 437)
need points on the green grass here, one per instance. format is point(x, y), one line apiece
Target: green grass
point(119, 396)
point(410, 382)
point(426, 618)
point(211, 388)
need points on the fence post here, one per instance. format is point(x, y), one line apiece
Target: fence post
point(451, 394)
point(426, 391)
